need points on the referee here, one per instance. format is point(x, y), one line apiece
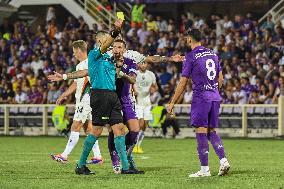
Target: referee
point(105, 104)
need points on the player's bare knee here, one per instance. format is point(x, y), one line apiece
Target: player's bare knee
point(96, 131)
point(76, 126)
point(118, 129)
point(88, 126)
point(133, 125)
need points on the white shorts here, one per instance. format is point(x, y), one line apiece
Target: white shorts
point(83, 110)
point(144, 112)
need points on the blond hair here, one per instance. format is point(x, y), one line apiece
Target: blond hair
point(80, 44)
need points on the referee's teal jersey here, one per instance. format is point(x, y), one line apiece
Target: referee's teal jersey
point(101, 68)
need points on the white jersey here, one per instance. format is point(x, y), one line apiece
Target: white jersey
point(133, 55)
point(143, 83)
point(81, 81)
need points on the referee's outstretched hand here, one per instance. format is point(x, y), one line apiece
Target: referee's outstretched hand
point(55, 77)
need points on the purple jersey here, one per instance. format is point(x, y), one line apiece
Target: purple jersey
point(122, 86)
point(202, 66)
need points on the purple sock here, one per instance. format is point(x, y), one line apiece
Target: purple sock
point(130, 141)
point(217, 144)
point(111, 147)
point(202, 148)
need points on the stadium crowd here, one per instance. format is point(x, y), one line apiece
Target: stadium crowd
point(252, 55)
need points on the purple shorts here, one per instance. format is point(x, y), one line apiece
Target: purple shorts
point(205, 114)
point(128, 111)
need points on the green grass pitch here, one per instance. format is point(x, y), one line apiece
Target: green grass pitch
point(25, 163)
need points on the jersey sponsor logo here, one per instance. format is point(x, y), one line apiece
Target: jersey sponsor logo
point(206, 53)
point(104, 118)
point(210, 87)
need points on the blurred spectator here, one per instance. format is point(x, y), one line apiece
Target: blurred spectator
point(35, 96)
point(198, 21)
point(155, 96)
point(187, 97)
point(240, 96)
point(161, 24)
point(51, 29)
point(21, 97)
point(52, 94)
point(143, 33)
point(268, 24)
point(137, 14)
point(165, 77)
point(151, 24)
point(254, 97)
point(7, 94)
point(279, 90)
point(50, 14)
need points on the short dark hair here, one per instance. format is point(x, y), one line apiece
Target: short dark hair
point(120, 41)
point(195, 34)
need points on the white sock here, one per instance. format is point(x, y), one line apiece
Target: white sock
point(204, 169)
point(140, 138)
point(223, 160)
point(96, 150)
point(72, 141)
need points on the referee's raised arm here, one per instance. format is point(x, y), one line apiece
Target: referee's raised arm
point(104, 45)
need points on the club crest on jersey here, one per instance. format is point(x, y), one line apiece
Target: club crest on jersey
point(124, 66)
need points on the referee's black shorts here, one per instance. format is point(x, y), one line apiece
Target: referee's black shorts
point(106, 107)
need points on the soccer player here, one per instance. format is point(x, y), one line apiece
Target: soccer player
point(105, 104)
point(126, 71)
point(144, 81)
point(82, 116)
point(203, 67)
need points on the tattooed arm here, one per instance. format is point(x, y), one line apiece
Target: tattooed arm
point(159, 59)
point(74, 75)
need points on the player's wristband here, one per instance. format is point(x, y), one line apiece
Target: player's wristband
point(114, 33)
point(64, 76)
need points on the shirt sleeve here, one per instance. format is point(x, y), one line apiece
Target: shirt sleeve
point(187, 67)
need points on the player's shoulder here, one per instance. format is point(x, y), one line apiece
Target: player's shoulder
point(82, 65)
point(96, 51)
point(150, 73)
point(136, 56)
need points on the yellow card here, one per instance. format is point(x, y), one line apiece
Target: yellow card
point(120, 15)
